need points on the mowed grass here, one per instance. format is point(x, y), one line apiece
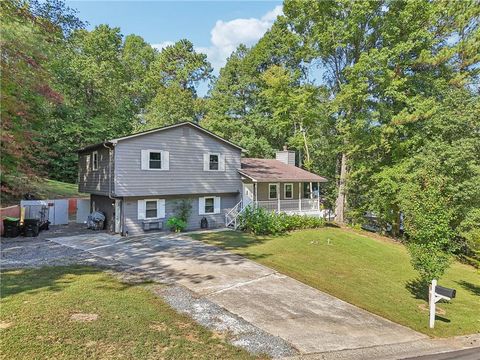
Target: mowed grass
point(370, 272)
point(52, 189)
point(132, 323)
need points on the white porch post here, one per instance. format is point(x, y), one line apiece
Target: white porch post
point(318, 195)
point(278, 196)
point(255, 191)
point(299, 196)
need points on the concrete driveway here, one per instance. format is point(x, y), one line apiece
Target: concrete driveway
point(310, 320)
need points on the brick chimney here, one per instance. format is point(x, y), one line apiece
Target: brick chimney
point(286, 156)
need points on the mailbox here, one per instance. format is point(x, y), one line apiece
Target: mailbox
point(450, 293)
point(437, 293)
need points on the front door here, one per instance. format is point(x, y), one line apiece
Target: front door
point(118, 216)
point(247, 194)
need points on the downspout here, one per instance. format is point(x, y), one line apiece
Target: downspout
point(110, 182)
point(109, 171)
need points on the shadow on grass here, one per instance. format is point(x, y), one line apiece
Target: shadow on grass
point(233, 240)
point(418, 288)
point(474, 289)
point(236, 241)
point(54, 279)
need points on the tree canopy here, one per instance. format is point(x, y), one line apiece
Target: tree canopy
point(380, 97)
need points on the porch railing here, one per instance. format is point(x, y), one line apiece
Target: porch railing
point(298, 205)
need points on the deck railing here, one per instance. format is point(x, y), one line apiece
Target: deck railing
point(294, 205)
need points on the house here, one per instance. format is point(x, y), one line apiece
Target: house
point(138, 180)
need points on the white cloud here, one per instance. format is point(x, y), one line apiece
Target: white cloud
point(162, 45)
point(227, 35)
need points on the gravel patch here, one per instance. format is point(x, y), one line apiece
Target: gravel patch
point(239, 332)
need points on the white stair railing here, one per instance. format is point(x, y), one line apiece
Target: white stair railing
point(232, 215)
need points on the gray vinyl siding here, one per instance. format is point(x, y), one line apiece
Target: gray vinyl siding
point(263, 191)
point(186, 146)
point(95, 181)
point(135, 226)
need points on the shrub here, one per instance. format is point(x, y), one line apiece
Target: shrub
point(176, 224)
point(262, 222)
point(183, 208)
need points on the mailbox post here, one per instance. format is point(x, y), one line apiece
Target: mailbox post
point(435, 294)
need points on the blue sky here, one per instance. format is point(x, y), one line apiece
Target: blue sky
point(215, 27)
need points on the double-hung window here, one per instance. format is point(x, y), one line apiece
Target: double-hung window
point(209, 205)
point(95, 160)
point(151, 210)
point(213, 162)
point(155, 160)
point(272, 191)
point(288, 191)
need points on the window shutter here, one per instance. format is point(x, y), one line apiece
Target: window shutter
point(206, 162)
point(161, 208)
point(221, 160)
point(145, 159)
point(217, 205)
point(141, 209)
point(165, 160)
point(201, 206)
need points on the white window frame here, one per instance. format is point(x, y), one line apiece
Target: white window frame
point(285, 191)
point(216, 205)
point(206, 161)
point(165, 160)
point(95, 161)
point(218, 161)
point(150, 152)
point(276, 185)
point(142, 209)
point(156, 208)
point(205, 205)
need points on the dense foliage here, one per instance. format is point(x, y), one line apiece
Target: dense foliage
point(176, 224)
point(381, 97)
point(259, 221)
point(65, 87)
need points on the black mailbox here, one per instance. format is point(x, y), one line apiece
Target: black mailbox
point(450, 293)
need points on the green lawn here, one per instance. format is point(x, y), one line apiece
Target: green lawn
point(132, 323)
point(40, 189)
point(52, 189)
point(372, 273)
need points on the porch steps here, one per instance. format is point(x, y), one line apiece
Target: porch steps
point(231, 217)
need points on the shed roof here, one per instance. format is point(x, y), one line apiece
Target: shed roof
point(271, 170)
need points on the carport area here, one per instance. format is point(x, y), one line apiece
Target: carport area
point(310, 320)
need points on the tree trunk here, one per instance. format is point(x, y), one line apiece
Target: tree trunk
point(342, 197)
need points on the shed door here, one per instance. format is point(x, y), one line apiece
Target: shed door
point(83, 210)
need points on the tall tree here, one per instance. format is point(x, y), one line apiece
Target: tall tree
point(174, 76)
point(27, 92)
point(337, 33)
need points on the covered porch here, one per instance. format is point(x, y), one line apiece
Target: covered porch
point(281, 187)
point(289, 197)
